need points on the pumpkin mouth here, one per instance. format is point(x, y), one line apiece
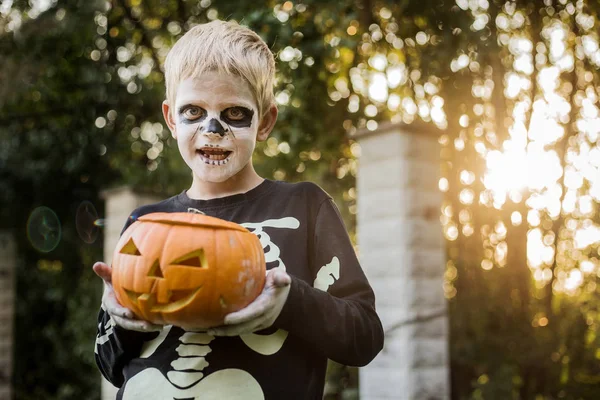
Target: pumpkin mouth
point(214, 155)
point(178, 299)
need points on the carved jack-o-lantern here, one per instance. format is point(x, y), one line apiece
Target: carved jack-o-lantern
point(186, 269)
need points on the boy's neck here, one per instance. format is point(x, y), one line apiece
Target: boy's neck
point(244, 181)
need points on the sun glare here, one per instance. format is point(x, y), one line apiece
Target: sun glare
point(548, 160)
point(528, 161)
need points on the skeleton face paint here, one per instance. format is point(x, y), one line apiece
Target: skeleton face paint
point(216, 127)
point(238, 117)
point(216, 123)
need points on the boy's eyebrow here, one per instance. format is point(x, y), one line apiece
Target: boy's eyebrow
point(182, 107)
point(222, 106)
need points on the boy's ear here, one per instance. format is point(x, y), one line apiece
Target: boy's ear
point(267, 123)
point(166, 110)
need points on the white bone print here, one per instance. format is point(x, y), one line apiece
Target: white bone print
point(230, 384)
point(192, 350)
point(108, 331)
point(271, 250)
point(328, 275)
point(187, 380)
point(269, 344)
point(149, 347)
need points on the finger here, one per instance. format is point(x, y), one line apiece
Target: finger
point(254, 310)
point(238, 329)
point(236, 319)
point(245, 315)
point(103, 270)
point(113, 307)
point(263, 304)
point(119, 311)
point(281, 279)
point(136, 324)
point(277, 278)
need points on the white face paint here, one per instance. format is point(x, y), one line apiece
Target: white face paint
point(216, 125)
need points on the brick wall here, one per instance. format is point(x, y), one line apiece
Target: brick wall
point(402, 251)
point(7, 293)
point(119, 203)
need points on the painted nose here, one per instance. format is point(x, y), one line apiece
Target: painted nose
point(215, 126)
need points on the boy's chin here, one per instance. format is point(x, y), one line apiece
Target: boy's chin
point(215, 176)
point(219, 179)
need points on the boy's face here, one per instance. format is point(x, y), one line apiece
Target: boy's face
point(216, 123)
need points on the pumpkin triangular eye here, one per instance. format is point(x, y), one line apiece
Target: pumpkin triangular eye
point(130, 248)
point(194, 259)
point(155, 270)
point(133, 296)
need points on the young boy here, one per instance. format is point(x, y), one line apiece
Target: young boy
point(316, 304)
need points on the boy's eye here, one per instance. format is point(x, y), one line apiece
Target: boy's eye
point(192, 113)
point(235, 114)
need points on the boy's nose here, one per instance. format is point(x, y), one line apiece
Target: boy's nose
point(215, 126)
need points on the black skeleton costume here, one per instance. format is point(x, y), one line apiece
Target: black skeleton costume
point(330, 311)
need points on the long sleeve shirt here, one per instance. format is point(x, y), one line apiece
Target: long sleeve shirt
point(329, 312)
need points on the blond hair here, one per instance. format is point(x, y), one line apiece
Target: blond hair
point(222, 46)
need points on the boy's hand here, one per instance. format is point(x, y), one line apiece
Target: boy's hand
point(262, 312)
point(121, 315)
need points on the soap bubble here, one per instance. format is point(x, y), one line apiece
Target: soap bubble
point(43, 229)
point(87, 222)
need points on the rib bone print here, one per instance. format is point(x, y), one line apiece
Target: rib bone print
point(272, 252)
point(186, 379)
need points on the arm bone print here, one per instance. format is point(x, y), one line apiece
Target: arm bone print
point(269, 344)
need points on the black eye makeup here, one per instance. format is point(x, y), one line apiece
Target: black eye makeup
point(191, 114)
point(239, 117)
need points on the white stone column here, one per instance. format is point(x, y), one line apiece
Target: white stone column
point(402, 251)
point(8, 259)
point(119, 203)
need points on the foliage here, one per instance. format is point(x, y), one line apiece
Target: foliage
point(81, 95)
point(51, 156)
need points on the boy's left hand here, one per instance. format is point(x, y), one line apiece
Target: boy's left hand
point(262, 312)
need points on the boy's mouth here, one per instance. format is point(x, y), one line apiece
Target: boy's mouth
point(214, 155)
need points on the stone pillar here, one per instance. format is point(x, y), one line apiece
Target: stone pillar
point(402, 251)
point(8, 259)
point(119, 203)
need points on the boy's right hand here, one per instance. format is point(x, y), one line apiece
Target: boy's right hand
point(122, 316)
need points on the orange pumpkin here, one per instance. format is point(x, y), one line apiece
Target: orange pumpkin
point(185, 269)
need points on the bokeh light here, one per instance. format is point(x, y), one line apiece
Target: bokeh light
point(87, 222)
point(43, 229)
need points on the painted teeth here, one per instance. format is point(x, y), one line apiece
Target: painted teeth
point(216, 156)
point(216, 162)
